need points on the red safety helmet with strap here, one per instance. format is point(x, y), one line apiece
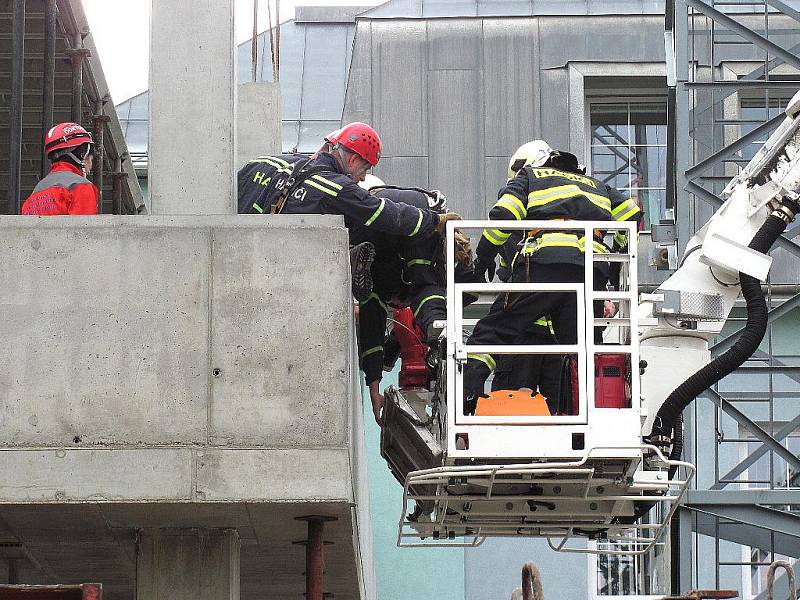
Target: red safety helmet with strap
point(359, 138)
point(66, 135)
point(62, 139)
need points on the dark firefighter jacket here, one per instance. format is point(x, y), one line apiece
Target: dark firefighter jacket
point(550, 194)
point(407, 269)
point(328, 192)
point(64, 191)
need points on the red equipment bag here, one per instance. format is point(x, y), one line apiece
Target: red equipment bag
point(611, 381)
point(413, 349)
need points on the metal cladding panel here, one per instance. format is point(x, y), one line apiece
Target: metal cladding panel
point(510, 84)
point(351, 34)
point(324, 71)
point(560, 7)
point(397, 8)
point(244, 62)
point(358, 100)
point(292, 52)
point(554, 90)
point(616, 6)
point(456, 138)
point(399, 88)
point(784, 266)
point(136, 136)
point(449, 8)
point(470, 8)
point(454, 44)
point(599, 39)
point(406, 170)
point(495, 170)
point(358, 97)
point(312, 134)
point(290, 134)
point(140, 105)
point(504, 8)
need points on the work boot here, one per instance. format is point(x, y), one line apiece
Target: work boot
point(361, 257)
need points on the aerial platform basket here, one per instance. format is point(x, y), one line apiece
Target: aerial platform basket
point(599, 496)
point(582, 472)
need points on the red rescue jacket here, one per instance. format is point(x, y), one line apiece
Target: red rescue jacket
point(65, 191)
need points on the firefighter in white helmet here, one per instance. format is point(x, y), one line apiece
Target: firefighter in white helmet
point(548, 185)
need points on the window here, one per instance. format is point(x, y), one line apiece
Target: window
point(629, 150)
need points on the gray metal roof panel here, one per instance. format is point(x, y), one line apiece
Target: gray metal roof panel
point(328, 14)
point(473, 8)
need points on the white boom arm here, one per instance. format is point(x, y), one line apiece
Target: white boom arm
point(694, 303)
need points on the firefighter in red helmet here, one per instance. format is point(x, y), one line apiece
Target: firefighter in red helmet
point(326, 183)
point(65, 190)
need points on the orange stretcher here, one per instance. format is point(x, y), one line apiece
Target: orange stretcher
point(512, 403)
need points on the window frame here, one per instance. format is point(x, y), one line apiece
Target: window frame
point(580, 92)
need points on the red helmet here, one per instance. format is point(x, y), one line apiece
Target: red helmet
point(360, 138)
point(66, 135)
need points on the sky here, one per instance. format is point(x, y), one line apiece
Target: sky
point(121, 34)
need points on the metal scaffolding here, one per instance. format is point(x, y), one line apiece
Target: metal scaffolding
point(736, 62)
point(53, 78)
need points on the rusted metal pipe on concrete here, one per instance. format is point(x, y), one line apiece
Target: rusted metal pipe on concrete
point(49, 77)
point(77, 55)
point(789, 575)
point(100, 121)
point(118, 181)
point(315, 559)
point(15, 116)
point(315, 556)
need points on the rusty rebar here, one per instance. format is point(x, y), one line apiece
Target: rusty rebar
point(15, 113)
point(49, 76)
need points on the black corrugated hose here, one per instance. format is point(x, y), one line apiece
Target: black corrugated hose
point(666, 424)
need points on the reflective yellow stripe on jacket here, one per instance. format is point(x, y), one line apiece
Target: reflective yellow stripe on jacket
point(562, 240)
point(564, 192)
point(626, 210)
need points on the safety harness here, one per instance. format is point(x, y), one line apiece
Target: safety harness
point(297, 176)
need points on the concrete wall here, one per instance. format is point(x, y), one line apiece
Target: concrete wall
point(142, 332)
point(203, 364)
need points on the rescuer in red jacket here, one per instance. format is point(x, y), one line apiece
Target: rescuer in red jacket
point(65, 190)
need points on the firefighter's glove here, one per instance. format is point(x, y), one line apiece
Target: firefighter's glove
point(441, 222)
point(484, 269)
point(463, 250)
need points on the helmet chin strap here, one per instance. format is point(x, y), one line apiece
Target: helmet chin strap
point(80, 162)
point(341, 156)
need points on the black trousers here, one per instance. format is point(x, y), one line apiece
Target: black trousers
point(537, 372)
point(510, 317)
point(387, 285)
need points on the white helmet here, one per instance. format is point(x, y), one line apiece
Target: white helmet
point(535, 154)
point(370, 181)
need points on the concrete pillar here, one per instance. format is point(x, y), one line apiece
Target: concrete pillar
point(259, 125)
point(187, 564)
point(192, 144)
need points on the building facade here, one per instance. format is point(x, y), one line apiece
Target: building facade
point(453, 87)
